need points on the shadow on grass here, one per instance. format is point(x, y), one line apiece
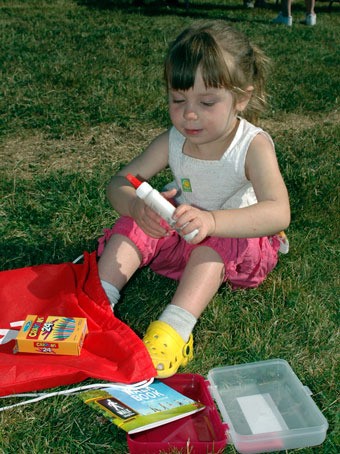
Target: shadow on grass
point(157, 8)
point(16, 253)
point(200, 11)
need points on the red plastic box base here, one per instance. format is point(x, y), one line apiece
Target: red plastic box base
point(200, 433)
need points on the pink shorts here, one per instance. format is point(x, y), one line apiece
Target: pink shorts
point(247, 261)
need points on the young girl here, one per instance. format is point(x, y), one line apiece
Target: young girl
point(227, 185)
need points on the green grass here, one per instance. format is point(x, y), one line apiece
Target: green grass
point(80, 94)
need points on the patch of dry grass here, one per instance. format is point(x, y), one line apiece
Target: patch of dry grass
point(110, 145)
point(101, 146)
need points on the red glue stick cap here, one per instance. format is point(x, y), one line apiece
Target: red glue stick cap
point(133, 180)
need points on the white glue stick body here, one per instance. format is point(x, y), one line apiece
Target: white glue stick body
point(157, 203)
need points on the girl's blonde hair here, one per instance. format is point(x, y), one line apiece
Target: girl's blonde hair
point(226, 59)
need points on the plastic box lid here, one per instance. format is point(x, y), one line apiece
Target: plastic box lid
point(266, 407)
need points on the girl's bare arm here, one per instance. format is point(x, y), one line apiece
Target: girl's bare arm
point(272, 212)
point(120, 192)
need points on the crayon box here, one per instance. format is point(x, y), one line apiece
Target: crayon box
point(51, 335)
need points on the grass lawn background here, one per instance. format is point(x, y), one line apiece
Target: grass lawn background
point(81, 93)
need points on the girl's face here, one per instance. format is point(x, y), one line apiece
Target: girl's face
point(203, 115)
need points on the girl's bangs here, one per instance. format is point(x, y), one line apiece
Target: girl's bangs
point(200, 52)
point(180, 69)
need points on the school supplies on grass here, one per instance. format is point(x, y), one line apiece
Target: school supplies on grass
point(136, 410)
point(51, 335)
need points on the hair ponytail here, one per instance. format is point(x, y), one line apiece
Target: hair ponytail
point(258, 101)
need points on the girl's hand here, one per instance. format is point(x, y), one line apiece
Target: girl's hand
point(147, 219)
point(189, 218)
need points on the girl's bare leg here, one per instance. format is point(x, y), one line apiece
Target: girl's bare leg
point(200, 281)
point(119, 261)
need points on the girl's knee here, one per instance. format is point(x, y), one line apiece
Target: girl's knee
point(207, 253)
point(209, 256)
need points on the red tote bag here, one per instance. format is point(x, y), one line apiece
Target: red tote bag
point(111, 350)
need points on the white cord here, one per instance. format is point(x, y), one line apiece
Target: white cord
point(42, 396)
point(78, 258)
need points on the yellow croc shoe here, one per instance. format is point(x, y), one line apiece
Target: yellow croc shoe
point(167, 349)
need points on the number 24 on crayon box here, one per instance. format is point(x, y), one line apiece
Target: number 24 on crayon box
point(51, 335)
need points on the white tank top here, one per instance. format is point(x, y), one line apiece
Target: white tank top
point(218, 184)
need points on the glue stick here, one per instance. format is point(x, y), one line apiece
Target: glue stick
point(157, 203)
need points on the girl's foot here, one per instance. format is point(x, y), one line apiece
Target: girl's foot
point(167, 348)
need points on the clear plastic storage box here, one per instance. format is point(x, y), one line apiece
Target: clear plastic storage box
point(264, 406)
